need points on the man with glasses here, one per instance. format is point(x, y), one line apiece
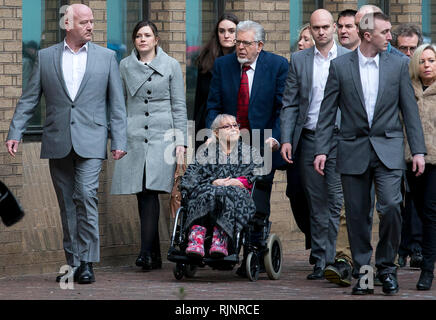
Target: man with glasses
point(302, 98)
point(248, 84)
point(406, 38)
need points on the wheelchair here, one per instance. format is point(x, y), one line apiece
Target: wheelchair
point(262, 251)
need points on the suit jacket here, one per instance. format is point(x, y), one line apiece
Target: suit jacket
point(265, 98)
point(297, 95)
point(385, 136)
point(83, 123)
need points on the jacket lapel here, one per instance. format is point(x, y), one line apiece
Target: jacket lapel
point(235, 74)
point(90, 62)
point(354, 66)
point(383, 72)
point(257, 80)
point(57, 57)
point(308, 61)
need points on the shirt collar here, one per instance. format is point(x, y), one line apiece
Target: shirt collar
point(363, 61)
point(332, 53)
point(67, 47)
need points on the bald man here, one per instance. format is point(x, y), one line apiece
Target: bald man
point(304, 91)
point(84, 97)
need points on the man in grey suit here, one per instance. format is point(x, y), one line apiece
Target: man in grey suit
point(83, 91)
point(302, 98)
point(371, 87)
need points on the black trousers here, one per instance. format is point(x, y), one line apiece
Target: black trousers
point(423, 193)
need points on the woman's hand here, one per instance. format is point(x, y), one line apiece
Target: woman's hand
point(221, 182)
point(180, 154)
point(227, 182)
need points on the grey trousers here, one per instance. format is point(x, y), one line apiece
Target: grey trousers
point(358, 205)
point(75, 180)
point(324, 196)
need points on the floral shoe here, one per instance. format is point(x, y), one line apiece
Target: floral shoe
point(218, 249)
point(196, 241)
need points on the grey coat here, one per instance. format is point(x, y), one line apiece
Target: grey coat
point(156, 123)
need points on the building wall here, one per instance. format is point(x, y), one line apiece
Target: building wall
point(34, 245)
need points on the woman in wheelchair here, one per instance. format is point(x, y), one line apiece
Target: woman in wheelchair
point(217, 189)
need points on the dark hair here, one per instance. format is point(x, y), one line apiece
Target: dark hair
point(144, 23)
point(212, 49)
point(406, 30)
point(366, 24)
point(347, 13)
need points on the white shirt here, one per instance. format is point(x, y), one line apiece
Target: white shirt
point(320, 74)
point(369, 76)
point(74, 67)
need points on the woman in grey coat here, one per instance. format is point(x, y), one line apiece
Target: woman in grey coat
point(156, 131)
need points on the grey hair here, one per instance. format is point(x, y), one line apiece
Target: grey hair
point(248, 25)
point(406, 30)
point(219, 119)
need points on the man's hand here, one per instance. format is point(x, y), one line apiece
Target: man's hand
point(12, 146)
point(418, 163)
point(319, 163)
point(286, 152)
point(272, 143)
point(118, 154)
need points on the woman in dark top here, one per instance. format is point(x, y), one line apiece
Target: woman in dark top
point(221, 43)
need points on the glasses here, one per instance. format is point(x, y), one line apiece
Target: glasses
point(230, 126)
point(244, 43)
point(405, 49)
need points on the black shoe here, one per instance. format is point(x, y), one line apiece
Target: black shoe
point(416, 259)
point(140, 260)
point(317, 274)
point(390, 283)
point(86, 273)
point(148, 262)
point(339, 273)
point(425, 280)
point(358, 290)
point(402, 261)
point(75, 275)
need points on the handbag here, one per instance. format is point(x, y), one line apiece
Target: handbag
point(10, 209)
point(176, 196)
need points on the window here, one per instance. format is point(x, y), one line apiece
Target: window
point(122, 16)
point(201, 17)
point(299, 15)
point(429, 21)
point(382, 4)
point(40, 30)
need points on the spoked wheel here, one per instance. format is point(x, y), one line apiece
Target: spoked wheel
point(252, 266)
point(178, 271)
point(273, 258)
point(190, 270)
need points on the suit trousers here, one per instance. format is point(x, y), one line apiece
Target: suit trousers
point(298, 201)
point(423, 193)
point(324, 196)
point(75, 180)
point(358, 206)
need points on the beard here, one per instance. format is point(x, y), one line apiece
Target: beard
point(243, 60)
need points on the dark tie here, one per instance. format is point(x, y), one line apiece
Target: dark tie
point(243, 100)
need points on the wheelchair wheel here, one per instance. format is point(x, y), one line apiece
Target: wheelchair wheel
point(190, 270)
point(273, 259)
point(252, 266)
point(178, 271)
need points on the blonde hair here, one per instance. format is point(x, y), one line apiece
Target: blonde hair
point(414, 61)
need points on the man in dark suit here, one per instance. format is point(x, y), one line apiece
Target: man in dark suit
point(249, 85)
point(301, 101)
point(265, 74)
point(371, 87)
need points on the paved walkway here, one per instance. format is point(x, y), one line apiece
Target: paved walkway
point(130, 283)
